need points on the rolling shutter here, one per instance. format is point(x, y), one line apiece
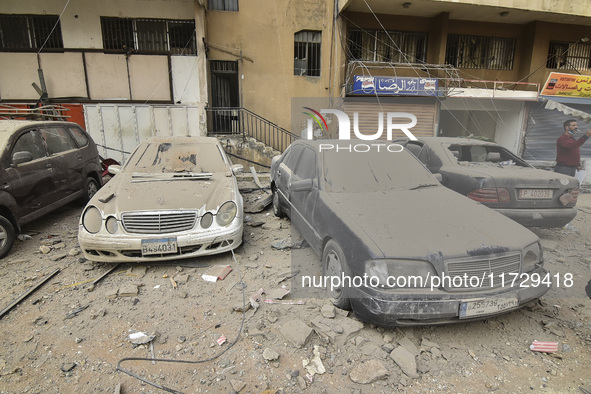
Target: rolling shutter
point(369, 108)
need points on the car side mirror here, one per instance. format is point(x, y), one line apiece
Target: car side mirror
point(21, 157)
point(114, 169)
point(237, 168)
point(439, 177)
point(304, 185)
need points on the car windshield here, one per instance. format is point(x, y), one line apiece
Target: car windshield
point(177, 158)
point(356, 172)
point(485, 154)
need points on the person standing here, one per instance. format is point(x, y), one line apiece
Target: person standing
point(568, 154)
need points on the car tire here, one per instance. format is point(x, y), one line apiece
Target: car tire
point(334, 263)
point(7, 236)
point(277, 211)
point(90, 188)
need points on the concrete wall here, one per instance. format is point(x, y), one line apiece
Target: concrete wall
point(84, 71)
point(263, 31)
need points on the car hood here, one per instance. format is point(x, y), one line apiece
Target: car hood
point(446, 223)
point(121, 194)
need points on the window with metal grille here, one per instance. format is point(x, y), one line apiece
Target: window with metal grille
point(492, 53)
point(569, 56)
point(149, 35)
point(223, 5)
point(307, 53)
point(30, 32)
point(387, 46)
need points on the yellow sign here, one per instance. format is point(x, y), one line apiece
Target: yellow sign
point(567, 85)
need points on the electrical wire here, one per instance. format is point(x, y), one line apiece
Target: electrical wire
point(231, 344)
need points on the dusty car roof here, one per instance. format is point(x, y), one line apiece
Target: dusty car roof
point(457, 140)
point(9, 126)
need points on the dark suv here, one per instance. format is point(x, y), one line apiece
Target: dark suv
point(43, 166)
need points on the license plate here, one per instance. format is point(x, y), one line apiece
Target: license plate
point(159, 246)
point(533, 194)
point(486, 306)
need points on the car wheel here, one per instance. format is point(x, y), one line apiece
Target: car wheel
point(276, 207)
point(7, 236)
point(90, 189)
point(335, 264)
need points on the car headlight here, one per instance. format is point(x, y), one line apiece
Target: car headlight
point(92, 220)
point(400, 273)
point(112, 225)
point(532, 255)
point(206, 220)
point(226, 213)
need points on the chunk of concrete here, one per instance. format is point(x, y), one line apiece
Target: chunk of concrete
point(297, 332)
point(368, 372)
point(406, 361)
point(409, 345)
point(270, 354)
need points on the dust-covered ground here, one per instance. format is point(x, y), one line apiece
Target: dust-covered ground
point(68, 336)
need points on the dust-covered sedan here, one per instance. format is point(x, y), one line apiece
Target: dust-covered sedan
point(396, 246)
point(176, 197)
point(488, 173)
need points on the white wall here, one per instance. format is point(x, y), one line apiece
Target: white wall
point(108, 76)
point(122, 127)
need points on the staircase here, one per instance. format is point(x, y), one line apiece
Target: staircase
point(240, 121)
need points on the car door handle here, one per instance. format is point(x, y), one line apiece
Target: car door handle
point(48, 165)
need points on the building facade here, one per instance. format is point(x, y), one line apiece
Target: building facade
point(142, 67)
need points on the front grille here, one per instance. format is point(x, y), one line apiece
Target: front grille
point(154, 222)
point(482, 267)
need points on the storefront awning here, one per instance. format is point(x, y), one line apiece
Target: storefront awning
point(575, 113)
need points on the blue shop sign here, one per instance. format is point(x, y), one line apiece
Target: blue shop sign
point(394, 86)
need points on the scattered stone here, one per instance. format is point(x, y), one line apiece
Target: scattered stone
point(370, 349)
point(297, 332)
point(301, 382)
point(566, 347)
point(358, 340)
point(387, 347)
point(314, 366)
point(277, 294)
point(181, 339)
point(427, 344)
point(270, 354)
point(140, 270)
point(406, 361)
point(128, 290)
point(67, 367)
point(368, 372)
point(59, 245)
point(408, 345)
point(275, 225)
point(328, 311)
point(44, 249)
point(112, 293)
point(237, 385)
point(74, 252)
point(102, 312)
point(388, 337)
point(182, 279)
point(554, 329)
point(58, 257)
point(549, 244)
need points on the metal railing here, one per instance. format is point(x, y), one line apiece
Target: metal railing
point(240, 121)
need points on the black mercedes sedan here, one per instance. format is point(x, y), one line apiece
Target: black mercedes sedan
point(489, 173)
point(397, 247)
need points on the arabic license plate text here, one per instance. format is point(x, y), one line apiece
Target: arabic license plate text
point(486, 306)
point(159, 246)
point(531, 194)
